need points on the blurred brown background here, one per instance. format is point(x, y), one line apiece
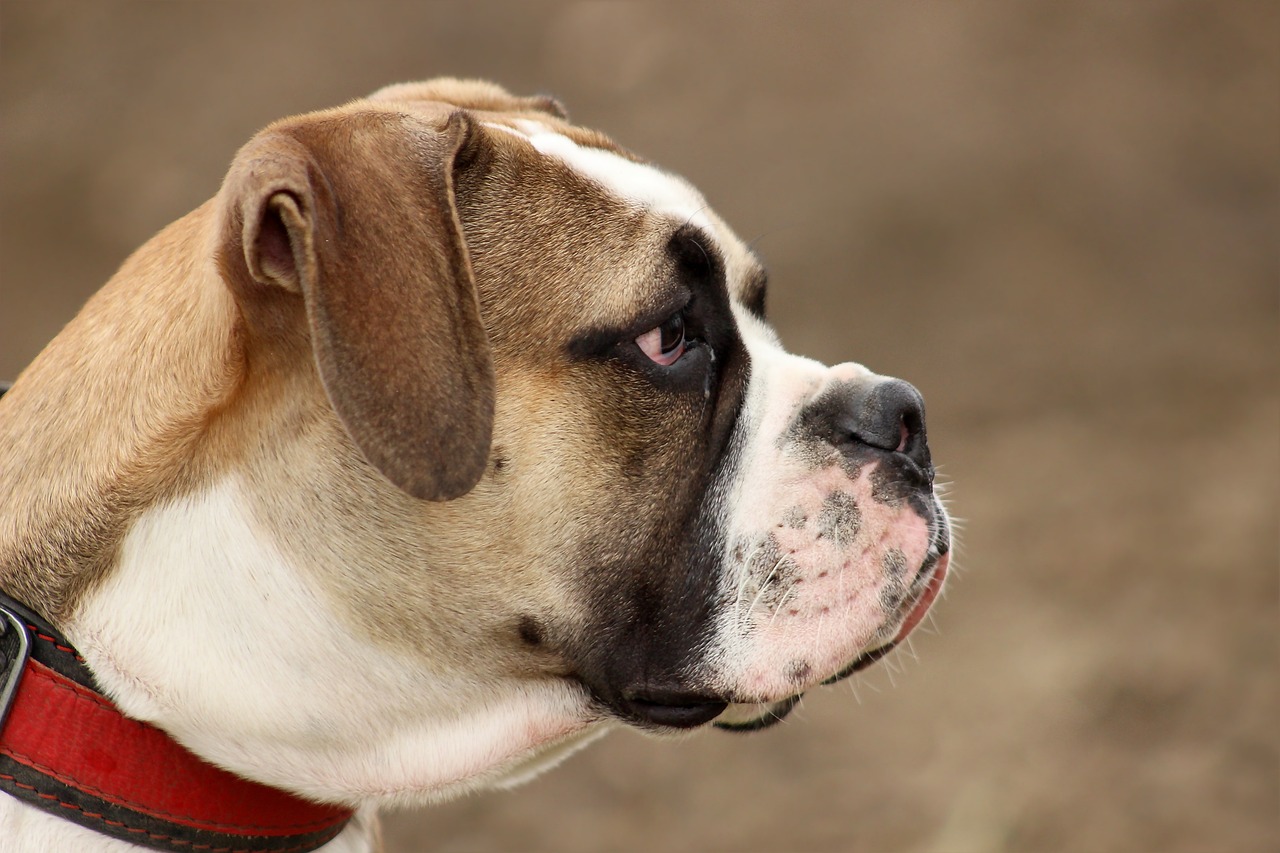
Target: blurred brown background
point(1059, 220)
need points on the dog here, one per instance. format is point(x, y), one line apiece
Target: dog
point(447, 437)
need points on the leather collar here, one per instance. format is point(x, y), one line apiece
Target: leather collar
point(67, 750)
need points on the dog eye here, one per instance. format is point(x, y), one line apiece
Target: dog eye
point(666, 343)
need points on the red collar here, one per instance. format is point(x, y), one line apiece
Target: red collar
point(66, 749)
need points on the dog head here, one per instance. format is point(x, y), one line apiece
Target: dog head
point(508, 453)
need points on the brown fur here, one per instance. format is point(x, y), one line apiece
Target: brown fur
point(315, 330)
point(357, 215)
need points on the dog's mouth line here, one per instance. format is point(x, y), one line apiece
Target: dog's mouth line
point(666, 711)
point(924, 600)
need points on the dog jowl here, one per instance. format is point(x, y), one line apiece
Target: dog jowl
point(474, 420)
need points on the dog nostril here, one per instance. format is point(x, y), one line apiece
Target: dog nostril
point(904, 437)
point(911, 427)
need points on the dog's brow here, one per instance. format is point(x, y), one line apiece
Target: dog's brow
point(658, 308)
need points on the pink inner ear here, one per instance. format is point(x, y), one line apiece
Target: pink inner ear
point(275, 254)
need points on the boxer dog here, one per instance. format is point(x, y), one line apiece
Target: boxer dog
point(447, 437)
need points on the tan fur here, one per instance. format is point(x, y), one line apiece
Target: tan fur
point(99, 425)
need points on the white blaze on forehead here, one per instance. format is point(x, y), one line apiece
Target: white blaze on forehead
point(643, 185)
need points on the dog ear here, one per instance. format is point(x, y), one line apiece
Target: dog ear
point(357, 215)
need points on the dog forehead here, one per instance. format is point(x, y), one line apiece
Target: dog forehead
point(638, 184)
point(641, 184)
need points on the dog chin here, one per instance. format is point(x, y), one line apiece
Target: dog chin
point(549, 756)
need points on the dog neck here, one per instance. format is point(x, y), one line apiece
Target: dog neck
point(67, 750)
point(103, 423)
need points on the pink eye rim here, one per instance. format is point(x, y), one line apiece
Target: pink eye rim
point(666, 343)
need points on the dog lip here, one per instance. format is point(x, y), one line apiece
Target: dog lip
point(673, 709)
point(776, 714)
point(926, 599)
point(862, 662)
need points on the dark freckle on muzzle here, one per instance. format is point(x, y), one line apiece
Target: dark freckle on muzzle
point(892, 595)
point(767, 553)
point(894, 563)
point(894, 591)
point(774, 568)
point(799, 671)
point(795, 518)
point(840, 519)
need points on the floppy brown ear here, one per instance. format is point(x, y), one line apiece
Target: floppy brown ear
point(356, 213)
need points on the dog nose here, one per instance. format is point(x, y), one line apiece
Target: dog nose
point(887, 415)
point(892, 418)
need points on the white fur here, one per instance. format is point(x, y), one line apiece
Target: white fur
point(642, 185)
point(244, 664)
